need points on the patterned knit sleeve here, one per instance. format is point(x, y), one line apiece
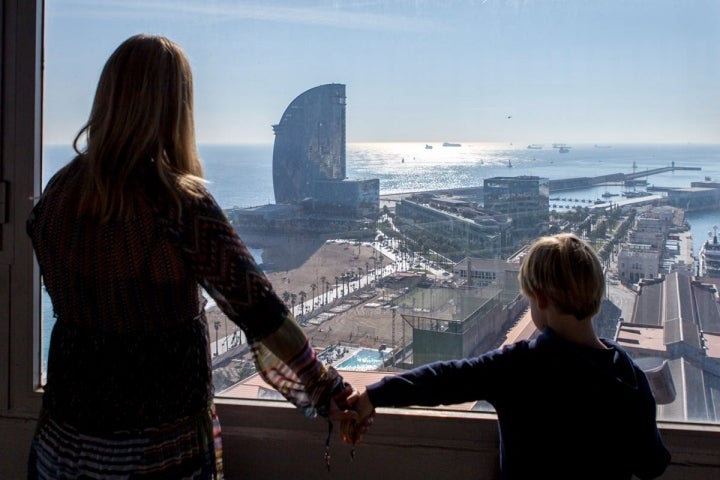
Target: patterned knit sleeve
point(227, 271)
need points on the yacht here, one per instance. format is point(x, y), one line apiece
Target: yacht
point(449, 144)
point(710, 256)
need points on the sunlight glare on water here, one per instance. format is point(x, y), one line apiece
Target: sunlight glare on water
point(410, 166)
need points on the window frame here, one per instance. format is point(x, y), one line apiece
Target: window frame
point(245, 422)
point(21, 133)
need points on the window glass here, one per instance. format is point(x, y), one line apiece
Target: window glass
point(388, 162)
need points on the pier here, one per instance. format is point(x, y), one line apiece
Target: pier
point(585, 182)
point(655, 171)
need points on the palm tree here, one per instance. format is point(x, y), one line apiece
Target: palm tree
point(360, 272)
point(336, 286)
point(327, 287)
point(313, 287)
point(302, 296)
point(293, 299)
point(323, 282)
point(286, 296)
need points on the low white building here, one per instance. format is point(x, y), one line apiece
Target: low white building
point(637, 261)
point(649, 230)
point(482, 272)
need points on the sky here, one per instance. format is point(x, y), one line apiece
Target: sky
point(523, 71)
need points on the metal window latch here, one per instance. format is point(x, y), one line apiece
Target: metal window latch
point(3, 202)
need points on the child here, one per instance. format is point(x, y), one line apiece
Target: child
point(569, 404)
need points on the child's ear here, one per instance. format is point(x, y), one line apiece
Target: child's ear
point(541, 299)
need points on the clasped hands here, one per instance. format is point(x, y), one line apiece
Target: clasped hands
point(354, 411)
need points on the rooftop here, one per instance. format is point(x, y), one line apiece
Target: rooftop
point(677, 318)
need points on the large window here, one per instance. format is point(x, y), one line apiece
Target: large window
point(450, 135)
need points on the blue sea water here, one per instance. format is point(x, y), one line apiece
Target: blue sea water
point(241, 175)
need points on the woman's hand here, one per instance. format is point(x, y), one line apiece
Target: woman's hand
point(342, 405)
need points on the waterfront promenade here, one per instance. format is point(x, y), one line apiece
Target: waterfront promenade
point(331, 261)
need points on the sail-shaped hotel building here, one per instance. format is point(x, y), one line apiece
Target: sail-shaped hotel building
point(309, 156)
point(311, 190)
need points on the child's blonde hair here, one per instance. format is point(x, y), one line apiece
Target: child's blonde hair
point(567, 271)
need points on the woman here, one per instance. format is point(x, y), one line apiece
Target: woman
point(125, 235)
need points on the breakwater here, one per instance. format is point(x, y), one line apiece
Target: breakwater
point(583, 182)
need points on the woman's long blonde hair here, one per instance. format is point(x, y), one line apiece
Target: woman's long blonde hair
point(141, 131)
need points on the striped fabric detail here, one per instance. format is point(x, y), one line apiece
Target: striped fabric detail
point(299, 377)
point(183, 451)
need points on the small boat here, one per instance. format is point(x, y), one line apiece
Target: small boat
point(608, 194)
point(535, 146)
point(564, 149)
point(428, 147)
point(449, 144)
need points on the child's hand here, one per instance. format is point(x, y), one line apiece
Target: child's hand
point(352, 430)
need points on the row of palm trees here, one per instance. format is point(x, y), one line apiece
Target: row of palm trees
point(344, 280)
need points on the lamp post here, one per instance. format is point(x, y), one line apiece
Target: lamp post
point(217, 327)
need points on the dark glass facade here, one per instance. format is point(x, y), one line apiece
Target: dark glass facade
point(525, 199)
point(309, 143)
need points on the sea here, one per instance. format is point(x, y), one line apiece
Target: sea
point(241, 175)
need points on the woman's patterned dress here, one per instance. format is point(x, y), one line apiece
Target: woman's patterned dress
point(129, 391)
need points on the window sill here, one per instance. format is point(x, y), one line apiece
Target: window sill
point(405, 443)
point(264, 439)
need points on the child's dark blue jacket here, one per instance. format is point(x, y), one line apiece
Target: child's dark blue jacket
point(564, 410)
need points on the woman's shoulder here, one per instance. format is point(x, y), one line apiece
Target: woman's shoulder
point(196, 200)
